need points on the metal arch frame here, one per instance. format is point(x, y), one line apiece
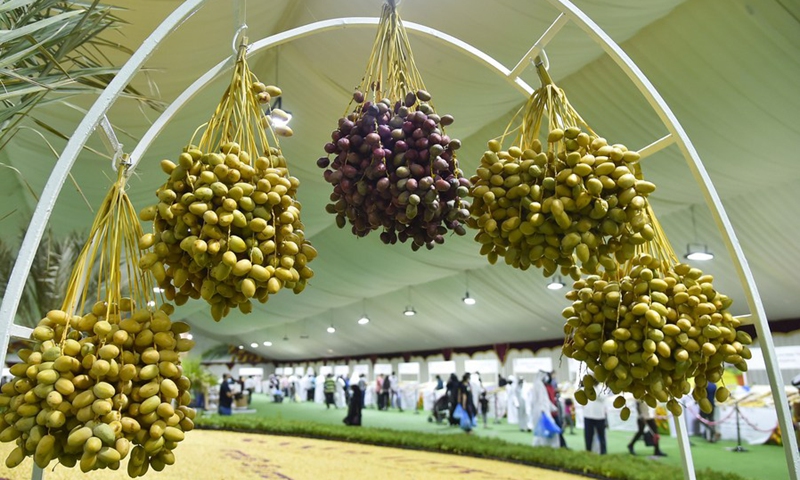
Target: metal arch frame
point(568, 13)
point(678, 135)
point(301, 32)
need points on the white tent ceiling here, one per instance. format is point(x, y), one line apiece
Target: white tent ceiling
point(728, 70)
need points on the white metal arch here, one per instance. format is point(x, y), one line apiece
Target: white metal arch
point(301, 32)
point(568, 13)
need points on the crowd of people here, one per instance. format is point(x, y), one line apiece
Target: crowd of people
point(534, 407)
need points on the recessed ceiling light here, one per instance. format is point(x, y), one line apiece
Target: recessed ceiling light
point(267, 344)
point(331, 329)
point(254, 345)
point(241, 347)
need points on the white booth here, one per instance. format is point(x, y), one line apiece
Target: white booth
point(488, 369)
point(408, 377)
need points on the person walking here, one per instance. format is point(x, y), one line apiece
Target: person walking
point(362, 385)
point(225, 395)
point(594, 421)
point(386, 389)
point(439, 383)
point(311, 386)
point(329, 388)
point(355, 405)
point(569, 415)
point(541, 410)
point(467, 403)
point(483, 399)
point(551, 385)
point(452, 396)
point(646, 419)
point(512, 402)
point(250, 388)
point(379, 390)
point(395, 392)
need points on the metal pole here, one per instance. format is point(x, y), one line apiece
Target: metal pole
point(684, 446)
point(717, 211)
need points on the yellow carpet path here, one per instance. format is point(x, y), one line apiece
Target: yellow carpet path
point(210, 455)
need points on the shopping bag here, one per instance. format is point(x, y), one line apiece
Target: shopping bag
point(459, 412)
point(648, 438)
point(474, 420)
point(546, 427)
point(465, 421)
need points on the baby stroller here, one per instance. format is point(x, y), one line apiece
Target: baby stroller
point(441, 407)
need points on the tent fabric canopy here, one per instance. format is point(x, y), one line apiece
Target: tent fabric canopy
point(727, 69)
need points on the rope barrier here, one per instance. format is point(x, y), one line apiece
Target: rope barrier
point(748, 422)
point(708, 422)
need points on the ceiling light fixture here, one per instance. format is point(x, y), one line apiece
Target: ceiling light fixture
point(331, 329)
point(364, 318)
point(467, 299)
point(254, 345)
point(267, 344)
point(556, 283)
point(693, 253)
point(241, 347)
point(278, 117)
point(697, 254)
point(409, 311)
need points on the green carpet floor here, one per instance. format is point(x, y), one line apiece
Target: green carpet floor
point(761, 462)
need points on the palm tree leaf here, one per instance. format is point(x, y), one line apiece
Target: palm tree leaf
point(54, 46)
point(12, 4)
point(58, 20)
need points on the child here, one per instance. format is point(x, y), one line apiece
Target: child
point(484, 402)
point(569, 415)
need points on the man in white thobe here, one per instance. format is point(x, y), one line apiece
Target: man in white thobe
point(541, 405)
point(511, 400)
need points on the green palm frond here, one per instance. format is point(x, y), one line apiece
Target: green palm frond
point(51, 50)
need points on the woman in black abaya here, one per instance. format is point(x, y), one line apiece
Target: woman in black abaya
point(353, 417)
